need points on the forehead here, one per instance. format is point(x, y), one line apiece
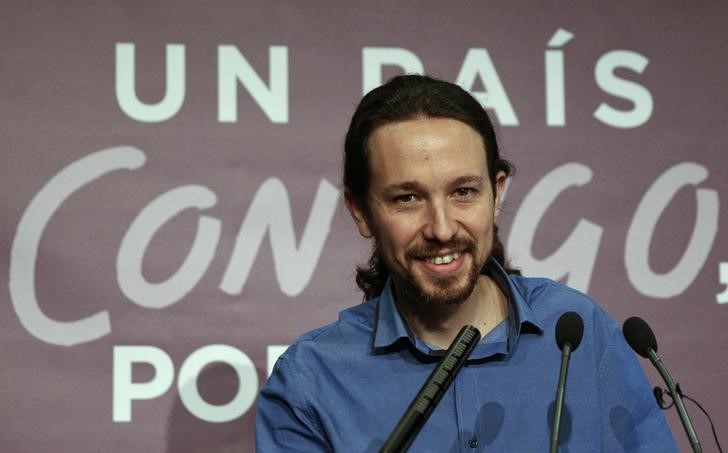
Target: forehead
point(425, 150)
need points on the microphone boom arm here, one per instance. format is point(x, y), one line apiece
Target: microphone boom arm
point(677, 398)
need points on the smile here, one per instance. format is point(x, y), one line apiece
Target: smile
point(445, 259)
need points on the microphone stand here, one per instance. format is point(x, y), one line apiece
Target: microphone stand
point(430, 394)
point(560, 392)
point(677, 397)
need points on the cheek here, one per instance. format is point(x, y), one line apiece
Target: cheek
point(482, 228)
point(398, 234)
point(398, 237)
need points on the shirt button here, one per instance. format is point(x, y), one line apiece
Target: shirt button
point(473, 443)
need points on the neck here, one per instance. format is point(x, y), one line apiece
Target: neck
point(438, 325)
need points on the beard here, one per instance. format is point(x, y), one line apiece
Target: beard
point(437, 291)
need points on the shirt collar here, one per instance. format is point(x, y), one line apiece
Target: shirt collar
point(390, 327)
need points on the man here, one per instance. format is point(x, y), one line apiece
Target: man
point(423, 177)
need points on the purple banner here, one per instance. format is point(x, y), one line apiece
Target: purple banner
point(172, 215)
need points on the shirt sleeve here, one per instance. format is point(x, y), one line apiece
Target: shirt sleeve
point(630, 417)
point(284, 421)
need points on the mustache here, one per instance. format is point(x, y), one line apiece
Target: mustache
point(431, 249)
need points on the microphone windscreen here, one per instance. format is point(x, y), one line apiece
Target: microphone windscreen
point(569, 328)
point(639, 336)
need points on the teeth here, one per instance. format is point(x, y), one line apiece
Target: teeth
point(445, 259)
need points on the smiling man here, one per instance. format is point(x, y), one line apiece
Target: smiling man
point(423, 177)
point(431, 209)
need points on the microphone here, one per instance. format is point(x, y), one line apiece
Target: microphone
point(430, 394)
point(641, 338)
point(569, 330)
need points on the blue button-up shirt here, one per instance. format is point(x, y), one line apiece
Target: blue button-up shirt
point(344, 387)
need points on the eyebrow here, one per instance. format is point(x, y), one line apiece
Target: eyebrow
point(404, 186)
point(415, 186)
point(469, 179)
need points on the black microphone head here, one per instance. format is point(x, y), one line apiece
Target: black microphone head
point(569, 328)
point(639, 336)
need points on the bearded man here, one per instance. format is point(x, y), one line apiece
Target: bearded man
point(423, 177)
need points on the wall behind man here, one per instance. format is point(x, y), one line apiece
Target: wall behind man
point(172, 214)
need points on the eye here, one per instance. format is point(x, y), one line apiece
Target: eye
point(464, 192)
point(405, 199)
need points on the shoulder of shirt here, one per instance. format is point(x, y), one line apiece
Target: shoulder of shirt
point(549, 300)
point(536, 291)
point(352, 321)
point(531, 288)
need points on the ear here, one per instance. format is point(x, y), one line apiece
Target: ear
point(357, 213)
point(500, 186)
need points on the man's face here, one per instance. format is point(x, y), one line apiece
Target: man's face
point(431, 207)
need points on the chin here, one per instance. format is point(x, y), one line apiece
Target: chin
point(444, 292)
point(449, 297)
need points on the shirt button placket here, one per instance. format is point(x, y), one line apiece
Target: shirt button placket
point(473, 443)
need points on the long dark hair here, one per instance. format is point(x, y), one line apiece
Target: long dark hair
point(403, 98)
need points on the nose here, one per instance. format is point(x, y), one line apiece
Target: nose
point(442, 225)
